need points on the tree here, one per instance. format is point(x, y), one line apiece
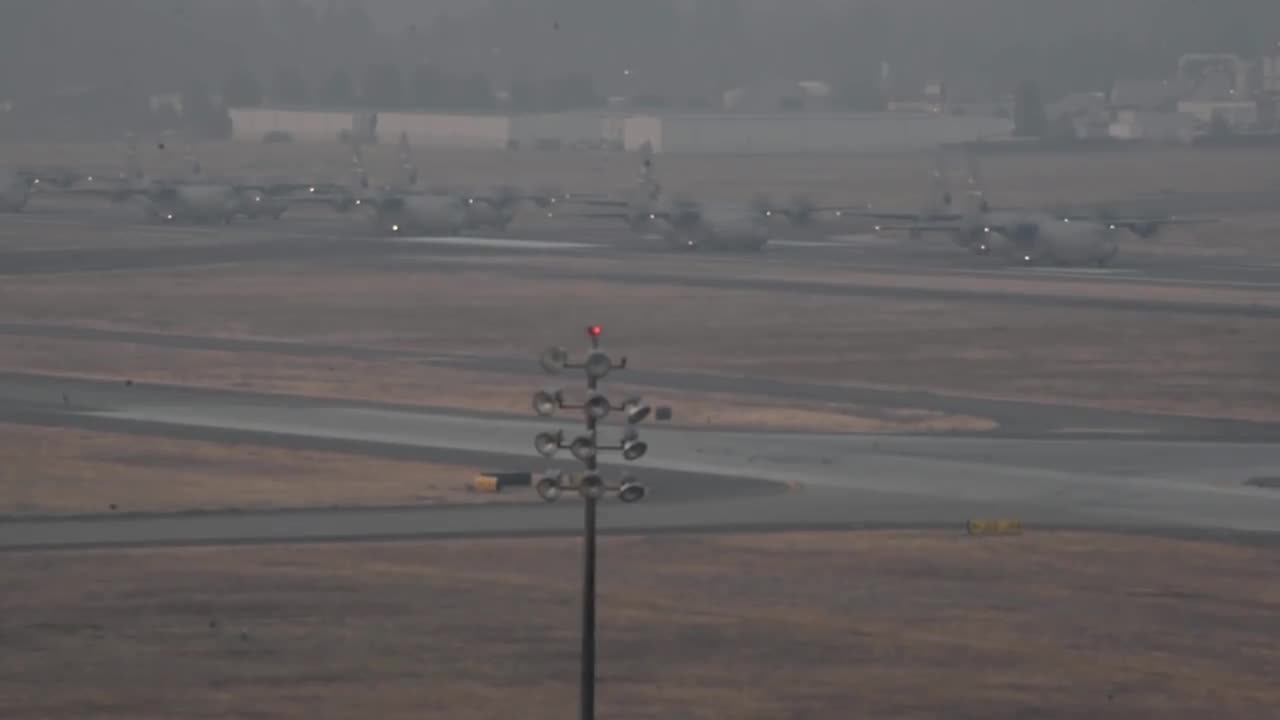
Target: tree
point(571, 91)
point(337, 89)
point(290, 88)
point(524, 95)
point(861, 91)
point(200, 115)
point(241, 89)
point(382, 86)
point(427, 87)
point(1028, 111)
point(472, 92)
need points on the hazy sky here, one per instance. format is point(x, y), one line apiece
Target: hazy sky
point(680, 47)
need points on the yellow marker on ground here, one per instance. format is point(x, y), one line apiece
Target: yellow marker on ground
point(496, 482)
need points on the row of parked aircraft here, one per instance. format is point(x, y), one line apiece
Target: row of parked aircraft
point(1026, 235)
point(196, 197)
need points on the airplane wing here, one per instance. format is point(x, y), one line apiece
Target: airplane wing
point(58, 177)
point(626, 215)
point(923, 227)
point(1143, 227)
point(117, 193)
point(600, 201)
point(906, 216)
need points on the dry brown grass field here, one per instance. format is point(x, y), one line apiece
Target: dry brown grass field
point(876, 625)
point(62, 470)
point(1119, 359)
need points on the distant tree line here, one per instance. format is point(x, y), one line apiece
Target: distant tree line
point(425, 87)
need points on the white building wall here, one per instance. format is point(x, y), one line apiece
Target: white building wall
point(251, 124)
point(641, 130)
point(445, 129)
point(805, 132)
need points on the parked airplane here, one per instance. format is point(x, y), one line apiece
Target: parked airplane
point(1027, 235)
point(408, 208)
point(403, 208)
point(17, 185)
point(681, 222)
point(188, 198)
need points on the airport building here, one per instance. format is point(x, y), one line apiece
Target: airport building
point(688, 133)
point(432, 129)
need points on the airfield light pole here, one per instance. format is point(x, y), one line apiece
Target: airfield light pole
point(590, 485)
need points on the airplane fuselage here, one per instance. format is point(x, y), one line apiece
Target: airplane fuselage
point(1038, 238)
point(482, 213)
point(203, 203)
point(255, 205)
point(731, 229)
point(1071, 243)
point(420, 215)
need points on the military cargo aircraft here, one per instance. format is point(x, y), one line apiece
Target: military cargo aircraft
point(680, 222)
point(178, 200)
point(1029, 236)
point(408, 208)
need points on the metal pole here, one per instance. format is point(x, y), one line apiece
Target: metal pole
point(588, 681)
point(588, 711)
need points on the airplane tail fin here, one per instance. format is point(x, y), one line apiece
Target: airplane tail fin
point(939, 199)
point(359, 175)
point(189, 155)
point(133, 161)
point(977, 191)
point(408, 170)
point(648, 182)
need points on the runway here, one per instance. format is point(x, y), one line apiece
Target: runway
point(1048, 465)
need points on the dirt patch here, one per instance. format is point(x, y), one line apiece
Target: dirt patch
point(795, 626)
point(73, 471)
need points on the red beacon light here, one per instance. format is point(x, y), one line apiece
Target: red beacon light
point(594, 330)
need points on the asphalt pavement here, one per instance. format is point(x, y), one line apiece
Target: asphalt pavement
point(703, 480)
